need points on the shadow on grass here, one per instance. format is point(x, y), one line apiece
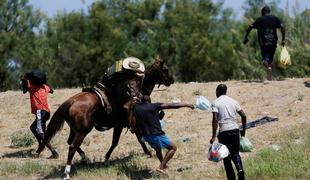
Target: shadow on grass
point(20, 154)
point(124, 165)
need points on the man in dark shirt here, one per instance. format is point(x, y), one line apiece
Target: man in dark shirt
point(266, 26)
point(148, 124)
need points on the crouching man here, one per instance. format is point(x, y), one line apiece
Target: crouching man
point(148, 123)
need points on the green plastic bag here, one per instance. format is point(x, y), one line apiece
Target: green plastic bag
point(284, 58)
point(245, 144)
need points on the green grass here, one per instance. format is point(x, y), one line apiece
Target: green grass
point(22, 138)
point(24, 168)
point(292, 161)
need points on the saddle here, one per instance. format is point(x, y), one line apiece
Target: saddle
point(100, 90)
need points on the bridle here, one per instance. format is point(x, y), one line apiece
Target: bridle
point(158, 68)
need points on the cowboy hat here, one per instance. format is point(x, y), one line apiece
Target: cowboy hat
point(133, 63)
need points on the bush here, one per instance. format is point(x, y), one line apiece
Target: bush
point(22, 138)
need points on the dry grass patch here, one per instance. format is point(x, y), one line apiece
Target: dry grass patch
point(190, 129)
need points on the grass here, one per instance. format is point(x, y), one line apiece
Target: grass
point(197, 92)
point(190, 160)
point(22, 138)
point(300, 97)
point(291, 161)
point(24, 168)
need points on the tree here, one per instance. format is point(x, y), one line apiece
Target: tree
point(17, 23)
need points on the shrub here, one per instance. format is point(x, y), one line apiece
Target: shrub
point(22, 138)
point(197, 92)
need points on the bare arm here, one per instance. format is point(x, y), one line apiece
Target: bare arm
point(243, 120)
point(247, 34)
point(176, 105)
point(214, 126)
point(51, 90)
point(24, 84)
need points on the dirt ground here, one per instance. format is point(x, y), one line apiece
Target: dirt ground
point(289, 100)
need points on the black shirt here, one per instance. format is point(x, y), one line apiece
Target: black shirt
point(267, 29)
point(148, 119)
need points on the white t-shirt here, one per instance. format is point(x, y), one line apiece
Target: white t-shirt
point(227, 109)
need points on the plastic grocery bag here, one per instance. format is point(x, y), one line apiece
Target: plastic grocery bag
point(162, 124)
point(202, 103)
point(284, 58)
point(217, 152)
point(245, 144)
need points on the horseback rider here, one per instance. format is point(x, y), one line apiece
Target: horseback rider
point(122, 81)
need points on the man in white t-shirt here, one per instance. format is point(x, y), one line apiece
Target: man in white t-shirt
point(225, 110)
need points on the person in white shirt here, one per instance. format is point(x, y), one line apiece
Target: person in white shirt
point(225, 110)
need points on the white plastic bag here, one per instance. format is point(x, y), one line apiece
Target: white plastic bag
point(217, 152)
point(284, 58)
point(202, 103)
point(162, 124)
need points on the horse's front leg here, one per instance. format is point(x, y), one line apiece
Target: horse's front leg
point(117, 131)
point(143, 145)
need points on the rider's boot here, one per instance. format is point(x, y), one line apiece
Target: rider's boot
point(108, 107)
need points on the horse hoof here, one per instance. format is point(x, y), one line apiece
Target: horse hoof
point(54, 156)
point(106, 158)
point(85, 160)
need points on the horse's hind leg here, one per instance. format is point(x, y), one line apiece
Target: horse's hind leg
point(78, 149)
point(143, 145)
point(75, 144)
point(116, 135)
point(55, 154)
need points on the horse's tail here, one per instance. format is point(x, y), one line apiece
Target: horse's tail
point(57, 121)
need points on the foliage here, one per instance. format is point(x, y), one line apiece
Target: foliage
point(18, 21)
point(22, 138)
point(200, 40)
point(291, 161)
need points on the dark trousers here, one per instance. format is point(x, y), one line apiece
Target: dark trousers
point(39, 124)
point(268, 52)
point(232, 140)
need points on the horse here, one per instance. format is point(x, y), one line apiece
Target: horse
point(157, 73)
point(84, 109)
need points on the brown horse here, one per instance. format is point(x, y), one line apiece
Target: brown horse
point(84, 110)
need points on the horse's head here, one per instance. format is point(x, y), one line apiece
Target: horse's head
point(165, 77)
point(157, 73)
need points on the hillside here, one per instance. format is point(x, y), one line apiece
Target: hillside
point(288, 100)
